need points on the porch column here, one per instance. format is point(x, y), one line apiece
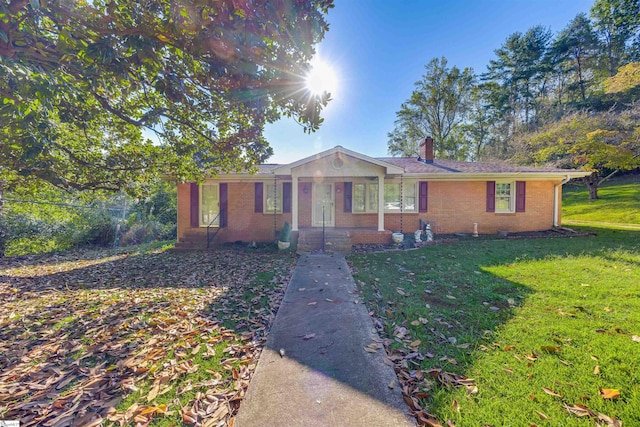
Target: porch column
point(294, 202)
point(380, 202)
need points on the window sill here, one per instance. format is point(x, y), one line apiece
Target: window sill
point(506, 213)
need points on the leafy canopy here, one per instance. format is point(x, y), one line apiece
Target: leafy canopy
point(436, 108)
point(104, 94)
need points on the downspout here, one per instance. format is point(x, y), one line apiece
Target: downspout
point(556, 200)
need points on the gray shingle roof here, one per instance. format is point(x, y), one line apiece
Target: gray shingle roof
point(411, 165)
point(442, 166)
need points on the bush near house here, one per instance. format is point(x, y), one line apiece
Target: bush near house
point(54, 220)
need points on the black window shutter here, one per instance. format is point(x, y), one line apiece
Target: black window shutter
point(521, 195)
point(258, 197)
point(286, 197)
point(224, 197)
point(195, 205)
point(491, 196)
point(424, 196)
point(347, 196)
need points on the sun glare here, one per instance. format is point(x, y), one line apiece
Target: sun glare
point(322, 78)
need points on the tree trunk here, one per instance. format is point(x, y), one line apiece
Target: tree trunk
point(591, 182)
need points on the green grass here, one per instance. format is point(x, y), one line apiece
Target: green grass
point(517, 316)
point(618, 203)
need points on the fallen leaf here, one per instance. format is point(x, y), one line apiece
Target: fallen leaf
point(415, 343)
point(308, 337)
point(596, 370)
point(551, 349)
point(607, 421)
point(312, 303)
point(579, 410)
point(542, 415)
point(155, 388)
point(635, 338)
point(551, 392)
point(455, 405)
point(609, 393)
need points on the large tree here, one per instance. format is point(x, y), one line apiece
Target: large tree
point(107, 94)
point(603, 143)
point(575, 50)
point(102, 93)
point(617, 23)
point(436, 108)
point(521, 70)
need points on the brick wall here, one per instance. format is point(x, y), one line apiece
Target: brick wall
point(453, 207)
point(184, 208)
point(242, 221)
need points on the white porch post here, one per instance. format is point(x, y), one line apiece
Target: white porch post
point(380, 202)
point(294, 202)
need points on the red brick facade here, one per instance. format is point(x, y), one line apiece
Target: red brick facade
point(453, 206)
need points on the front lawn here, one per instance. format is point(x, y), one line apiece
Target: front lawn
point(619, 202)
point(513, 332)
point(92, 338)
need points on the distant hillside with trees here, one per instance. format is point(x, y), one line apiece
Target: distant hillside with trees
point(568, 99)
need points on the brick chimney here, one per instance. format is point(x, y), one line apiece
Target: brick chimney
point(426, 150)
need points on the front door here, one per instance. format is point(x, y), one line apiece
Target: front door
point(323, 203)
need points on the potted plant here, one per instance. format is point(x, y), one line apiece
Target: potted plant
point(285, 237)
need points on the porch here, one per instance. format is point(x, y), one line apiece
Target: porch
point(339, 239)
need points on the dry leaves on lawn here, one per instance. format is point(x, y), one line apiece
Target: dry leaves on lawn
point(83, 334)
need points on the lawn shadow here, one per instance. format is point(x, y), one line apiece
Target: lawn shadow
point(77, 337)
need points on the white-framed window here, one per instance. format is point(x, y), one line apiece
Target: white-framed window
point(400, 194)
point(365, 197)
point(209, 204)
point(272, 196)
point(505, 196)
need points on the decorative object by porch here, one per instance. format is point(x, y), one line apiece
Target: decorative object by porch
point(397, 238)
point(416, 236)
point(428, 233)
point(285, 237)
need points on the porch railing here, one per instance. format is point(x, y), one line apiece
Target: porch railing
point(222, 216)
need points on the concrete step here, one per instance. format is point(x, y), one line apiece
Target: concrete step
point(336, 241)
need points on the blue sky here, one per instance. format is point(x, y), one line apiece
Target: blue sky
point(379, 49)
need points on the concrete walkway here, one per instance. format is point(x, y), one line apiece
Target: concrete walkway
point(326, 377)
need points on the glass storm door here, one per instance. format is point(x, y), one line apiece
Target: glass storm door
point(323, 200)
point(209, 204)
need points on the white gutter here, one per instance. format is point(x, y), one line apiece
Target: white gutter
point(556, 199)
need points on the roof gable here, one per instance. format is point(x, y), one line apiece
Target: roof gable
point(337, 157)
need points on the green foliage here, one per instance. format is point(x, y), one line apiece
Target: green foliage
point(48, 219)
point(627, 78)
point(616, 21)
point(285, 234)
point(436, 108)
point(108, 94)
